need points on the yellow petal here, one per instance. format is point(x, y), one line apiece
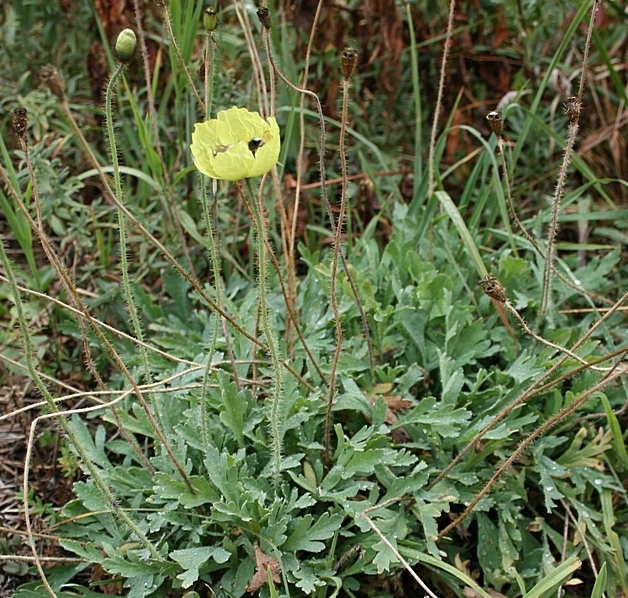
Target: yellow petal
point(235, 145)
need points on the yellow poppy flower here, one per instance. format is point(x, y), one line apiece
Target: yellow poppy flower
point(236, 145)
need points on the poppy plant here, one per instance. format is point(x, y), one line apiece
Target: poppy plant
point(237, 144)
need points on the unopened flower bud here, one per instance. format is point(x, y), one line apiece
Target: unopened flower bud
point(125, 45)
point(348, 60)
point(210, 19)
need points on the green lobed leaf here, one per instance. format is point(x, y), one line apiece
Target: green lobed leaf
point(310, 532)
point(192, 559)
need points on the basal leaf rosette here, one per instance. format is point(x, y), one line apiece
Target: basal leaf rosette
point(236, 145)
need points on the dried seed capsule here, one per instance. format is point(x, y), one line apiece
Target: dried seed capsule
point(125, 45)
point(348, 60)
point(572, 108)
point(495, 120)
point(51, 78)
point(263, 15)
point(20, 123)
point(493, 288)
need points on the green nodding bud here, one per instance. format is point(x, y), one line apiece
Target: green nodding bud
point(210, 19)
point(125, 45)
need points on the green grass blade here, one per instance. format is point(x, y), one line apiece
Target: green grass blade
point(556, 578)
point(600, 583)
point(434, 562)
point(465, 236)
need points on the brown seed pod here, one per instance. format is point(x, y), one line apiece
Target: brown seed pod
point(263, 14)
point(20, 123)
point(348, 60)
point(572, 108)
point(493, 288)
point(51, 78)
point(495, 120)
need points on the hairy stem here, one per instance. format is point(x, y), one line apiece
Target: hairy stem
point(277, 408)
point(439, 99)
point(562, 414)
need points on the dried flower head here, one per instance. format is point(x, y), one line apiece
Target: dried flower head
point(20, 123)
point(493, 288)
point(348, 60)
point(263, 14)
point(236, 145)
point(497, 124)
point(51, 78)
point(572, 108)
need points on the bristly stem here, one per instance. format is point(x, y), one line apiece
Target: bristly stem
point(290, 258)
point(325, 196)
point(125, 274)
point(277, 408)
point(439, 99)
point(124, 267)
point(334, 271)
point(496, 122)
point(348, 62)
point(494, 289)
point(166, 15)
point(614, 373)
point(207, 196)
point(573, 107)
point(553, 228)
point(168, 198)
